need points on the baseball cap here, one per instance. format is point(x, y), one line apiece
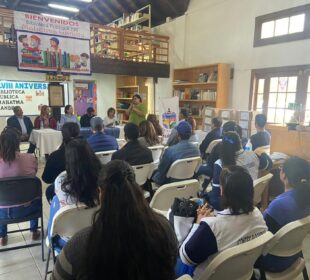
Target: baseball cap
point(184, 128)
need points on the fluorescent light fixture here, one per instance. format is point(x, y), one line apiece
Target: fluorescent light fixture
point(63, 7)
point(86, 1)
point(49, 15)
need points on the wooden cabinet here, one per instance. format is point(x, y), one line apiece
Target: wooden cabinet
point(200, 87)
point(126, 87)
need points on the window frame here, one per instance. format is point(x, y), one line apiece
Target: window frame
point(259, 42)
point(301, 71)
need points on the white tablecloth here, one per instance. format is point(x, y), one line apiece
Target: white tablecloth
point(46, 140)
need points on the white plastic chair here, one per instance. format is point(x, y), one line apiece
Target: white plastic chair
point(143, 172)
point(259, 187)
point(164, 196)
point(105, 156)
point(288, 242)
point(263, 149)
point(212, 145)
point(67, 221)
point(185, 277)
point(120, 142)
point(236, 262)
point(184, 168)
point(157, 152)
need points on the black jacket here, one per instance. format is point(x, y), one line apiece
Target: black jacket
point(13, 122)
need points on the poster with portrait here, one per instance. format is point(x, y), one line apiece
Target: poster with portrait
point(85, 96)
point(48, 44)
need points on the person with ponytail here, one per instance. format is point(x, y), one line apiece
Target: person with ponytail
point(127, 240)
point(231, 153)
point(292, 205)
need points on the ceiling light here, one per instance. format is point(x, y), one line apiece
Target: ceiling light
point(65, 8)
point(49, 15)
point(86, 1)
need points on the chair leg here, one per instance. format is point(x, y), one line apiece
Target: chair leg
point(47, 262)
point(305, 274)
point(42, 237)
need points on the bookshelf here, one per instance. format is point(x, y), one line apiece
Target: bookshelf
point(200, 87)
point(126, 87)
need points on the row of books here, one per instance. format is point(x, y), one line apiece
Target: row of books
point(56, 59)
point(203, 95)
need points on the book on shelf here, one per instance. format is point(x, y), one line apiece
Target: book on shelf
point(194, 94)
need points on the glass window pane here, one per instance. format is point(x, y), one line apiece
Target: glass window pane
point(279, 116)
point(292, 84)
point(283, 84)
point(281, 100)
point(270, 115)
point(307, 117)
point(260, 101)
point(281, 26)
point(290, 98)
point(261, 84)
point(267, 29)
point(308, 102)
point(288, 115)
point(272, 102)
point(297, 23)
point(308, 85)
point(274, 84)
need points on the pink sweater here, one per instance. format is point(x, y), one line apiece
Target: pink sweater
point(23, 165)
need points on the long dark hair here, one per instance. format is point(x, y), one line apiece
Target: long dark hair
point(128, 240)
point(152, 118)
point(231, 144)
point(238, 189)
point(69, 131)
point(297, 171)
point(82, 168)
point(147, 130)
point(9, 144)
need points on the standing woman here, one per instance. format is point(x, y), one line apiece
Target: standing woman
point(68, 116)
point(13, 163)
point(127, 240)
point(137, 110)
point(45, 120)
point(148, 136)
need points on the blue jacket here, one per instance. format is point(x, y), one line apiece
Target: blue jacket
point(13, 122)
point(100, 142)
point(184, 149)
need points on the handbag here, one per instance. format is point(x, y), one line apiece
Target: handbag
point(181, 216)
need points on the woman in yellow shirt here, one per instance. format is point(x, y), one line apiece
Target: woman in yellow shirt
point(136, 110)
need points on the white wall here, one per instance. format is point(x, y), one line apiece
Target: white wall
point(222, 31)
point(106, 87)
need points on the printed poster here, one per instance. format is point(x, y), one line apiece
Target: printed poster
point(85, 95)
point(47, 43)
point(28, 95)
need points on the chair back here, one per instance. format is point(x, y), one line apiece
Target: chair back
point(105, 156)
point(185, 277)
point(71, 218)
point(263, 149)
point(19, 190)
point(143, 172)
point(259, 187)
point(164, 196)
point(157, 152)
point(184, 168)
point(288, 240)
point(236, 262)
point(212, 145)
point(121, 142)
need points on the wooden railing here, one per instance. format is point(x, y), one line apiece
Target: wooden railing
point(108, 42)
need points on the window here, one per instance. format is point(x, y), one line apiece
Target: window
point(283, 26)
point(277, 92)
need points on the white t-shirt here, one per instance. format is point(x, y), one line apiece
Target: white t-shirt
point(64, 198)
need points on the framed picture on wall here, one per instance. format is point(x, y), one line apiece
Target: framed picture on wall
point(56, 95)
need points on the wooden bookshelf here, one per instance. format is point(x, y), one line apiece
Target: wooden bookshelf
point(126, 87)
point(200, 87)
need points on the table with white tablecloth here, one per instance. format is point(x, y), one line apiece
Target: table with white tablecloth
point(46, 140)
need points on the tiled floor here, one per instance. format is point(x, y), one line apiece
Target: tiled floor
point(27, 264)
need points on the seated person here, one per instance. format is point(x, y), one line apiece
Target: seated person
point(231, 154)
point(68, 116)
point(124, 227)
point(23, 124)
point(78, 184)
point(13, 163)
point(262, 137)
point(85, 119)
point(239, 222)
point(152, 118)
point(173, 138)
point(133, 152)
point(184, 149)
point(214, 134)
point(292, 205)
point(45, 120)
point(148, 136)
point(100, 141)
point(192, 122)
point(56, 162)
point(110, 119)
